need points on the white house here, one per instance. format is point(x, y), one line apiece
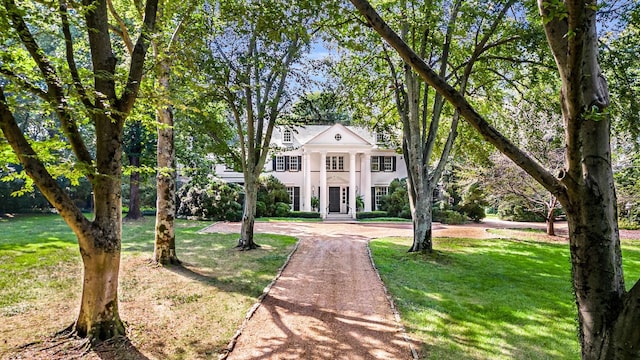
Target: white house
point(334, 163)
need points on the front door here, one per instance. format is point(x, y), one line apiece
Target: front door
point(334, 199)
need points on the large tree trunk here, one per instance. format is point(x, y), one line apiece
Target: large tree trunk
point(422, 224)
point(249, 214)
point(165, 241)
point(99, 318)
point(608, 316)
point(420, 199)
point(134, 212)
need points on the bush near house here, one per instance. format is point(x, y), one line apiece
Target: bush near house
point(371, 214)
point(304, 214)
point(396, 202)
point(273, 198)
point(217, 200)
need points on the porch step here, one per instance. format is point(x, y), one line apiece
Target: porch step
point(339, 218)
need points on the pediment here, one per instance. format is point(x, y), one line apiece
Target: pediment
point(338, 135)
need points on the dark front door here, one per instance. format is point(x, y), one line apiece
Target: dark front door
point(334, 199)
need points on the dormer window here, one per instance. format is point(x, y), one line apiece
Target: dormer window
point(381, 137)
point(286, 136)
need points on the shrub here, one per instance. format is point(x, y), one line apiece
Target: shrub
point(627, 224)
point(261, 209)
point(272, 192)
point(371, 214)
point(282, 209)
point(216, 201)
point(396, 202)
point(514, 210)
point(304, 214)
point(473, 202)
point(452, 217)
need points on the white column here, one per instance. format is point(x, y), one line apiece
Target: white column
point(323, 185)
point(367, 182)
point(306, 204)
point(352, 184)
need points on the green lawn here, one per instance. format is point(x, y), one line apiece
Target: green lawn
point(40, 284)
point(487, 299)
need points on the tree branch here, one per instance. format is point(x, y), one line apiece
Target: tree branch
point(488, 132)
point(25, 84)
point(123, 32)
point(36, 169)
point(55, 91)
point(68, 40)
point(136, 68)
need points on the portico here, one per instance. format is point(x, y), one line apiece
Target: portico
point(340, 178)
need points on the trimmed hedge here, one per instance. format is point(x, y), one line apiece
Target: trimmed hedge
point(304, 214)
point(371, 214)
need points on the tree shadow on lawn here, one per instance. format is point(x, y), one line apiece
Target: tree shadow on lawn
point(65, 347)
point(485, 298)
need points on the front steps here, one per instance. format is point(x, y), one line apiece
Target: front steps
point(337, 217)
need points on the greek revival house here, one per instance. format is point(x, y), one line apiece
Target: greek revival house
point(333, 163)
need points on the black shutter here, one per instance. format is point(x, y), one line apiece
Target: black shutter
point(273, 163)
point(373, 198)
point(296, 198)
point(299, 163)
point(394, 163)
point(286, 163)
point(319, 195)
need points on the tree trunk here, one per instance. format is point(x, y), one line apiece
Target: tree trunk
point(134, 212)
point(164, 251)
point(249, 215)
point(100, 241)
point(422, 222)
point(99, 318)
point(550, 222)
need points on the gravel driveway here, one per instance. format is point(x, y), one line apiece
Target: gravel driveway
point(328, 302)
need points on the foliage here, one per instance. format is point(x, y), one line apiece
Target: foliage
point(218, 200)
point(447, 216)
point(371, 214)
point(319, 108)
point(304, 214)
point(315, 203)
point(273, 198)
point(514, 208)
point(473, 202)
point(396, 202)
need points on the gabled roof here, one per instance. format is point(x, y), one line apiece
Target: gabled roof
point(324, 135)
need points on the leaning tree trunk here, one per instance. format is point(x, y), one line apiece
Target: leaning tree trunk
point(249, 214)
point(134, 212)
point(165, 240)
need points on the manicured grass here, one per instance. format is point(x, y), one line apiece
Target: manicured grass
point(488, 299)
point(167, 309)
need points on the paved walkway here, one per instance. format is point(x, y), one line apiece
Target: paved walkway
point(329, 302)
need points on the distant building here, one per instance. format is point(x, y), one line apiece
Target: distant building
point(334, 163)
